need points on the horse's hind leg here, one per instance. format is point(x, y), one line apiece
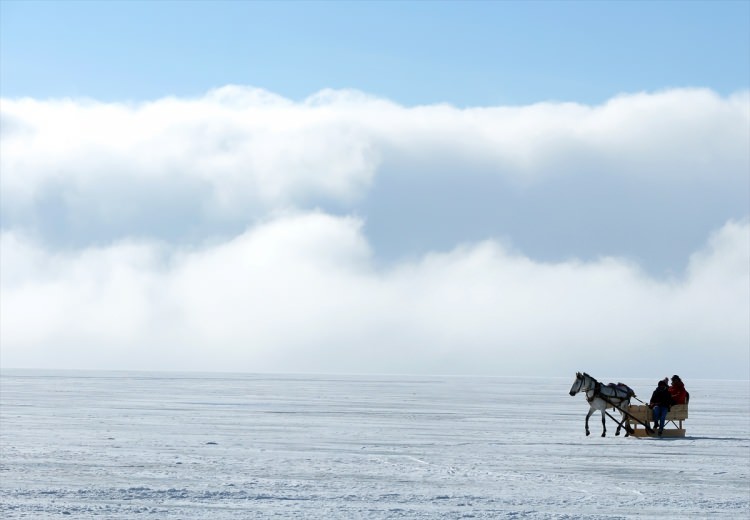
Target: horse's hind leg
point(604, 425)
point(623, 424)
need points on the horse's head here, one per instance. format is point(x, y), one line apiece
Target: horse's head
point(576, 384)
point(579, 384)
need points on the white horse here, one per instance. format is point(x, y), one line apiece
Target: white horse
point(600, 397)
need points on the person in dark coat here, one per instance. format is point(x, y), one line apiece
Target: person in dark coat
point(661, 402)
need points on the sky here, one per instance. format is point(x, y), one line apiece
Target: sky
point(491, 188)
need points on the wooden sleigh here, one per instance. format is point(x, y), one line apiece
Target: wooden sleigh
point(673, 426)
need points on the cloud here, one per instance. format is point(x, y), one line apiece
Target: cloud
point(234, 146)
point(238, 153)
point(302, 293)
point(243, 231)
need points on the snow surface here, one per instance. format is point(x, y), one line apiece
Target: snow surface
point(133, 445)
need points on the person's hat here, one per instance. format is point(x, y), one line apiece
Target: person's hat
point(676, 377)
point(662, 383)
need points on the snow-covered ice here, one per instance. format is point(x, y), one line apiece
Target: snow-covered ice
point(187, 446)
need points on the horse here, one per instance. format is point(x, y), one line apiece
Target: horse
point(600, 397)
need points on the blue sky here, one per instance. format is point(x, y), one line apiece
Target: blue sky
point(467, 53)
point(429, 187)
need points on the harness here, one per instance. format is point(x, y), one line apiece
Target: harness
point(594, 392)
point(619, 392)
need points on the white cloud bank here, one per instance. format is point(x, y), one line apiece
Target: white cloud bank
point(241, 152)
point(302, 290)
point(300, 293)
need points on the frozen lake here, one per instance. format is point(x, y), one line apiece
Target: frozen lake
point(187, 446)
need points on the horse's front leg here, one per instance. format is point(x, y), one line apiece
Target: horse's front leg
point(591, 411)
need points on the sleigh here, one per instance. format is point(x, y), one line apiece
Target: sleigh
point(639, 415)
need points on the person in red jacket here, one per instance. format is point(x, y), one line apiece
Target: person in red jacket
point(678, 392)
